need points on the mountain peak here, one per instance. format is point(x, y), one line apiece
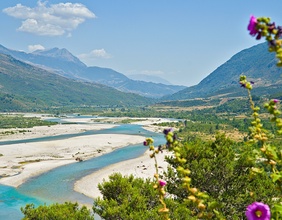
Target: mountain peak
point(62, 54)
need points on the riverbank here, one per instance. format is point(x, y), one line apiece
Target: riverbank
point(141, 167)
point(19, 162)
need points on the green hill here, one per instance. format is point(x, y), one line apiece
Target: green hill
point(24, 87)
point(256, 63)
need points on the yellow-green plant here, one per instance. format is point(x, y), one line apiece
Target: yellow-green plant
point(268, 158)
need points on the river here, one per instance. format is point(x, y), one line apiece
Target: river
point(57, 184)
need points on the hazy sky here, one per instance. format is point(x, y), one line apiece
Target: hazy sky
point(181, 41)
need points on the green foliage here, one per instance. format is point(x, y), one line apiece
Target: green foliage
point(207, 179)
point(217, 169)
point(66, 211)
point(127, 198)
point(28, 88)
point(191, 103)
point(19, 121)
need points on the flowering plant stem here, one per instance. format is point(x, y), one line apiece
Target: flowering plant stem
point(160, 184)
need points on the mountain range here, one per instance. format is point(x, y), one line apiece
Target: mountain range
point(55, 78)
point(149, 78)
point(256, 63)
point(24, 87)
point(62, 62)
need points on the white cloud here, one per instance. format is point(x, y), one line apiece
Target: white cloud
point(94, 54)
point(55, 20)
point(35, 47)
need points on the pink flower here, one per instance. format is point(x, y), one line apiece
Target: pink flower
point(275, 100)
point(258, 211)
point(252, 26)
point(162, 183)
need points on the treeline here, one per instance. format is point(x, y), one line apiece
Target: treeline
point(19, 121)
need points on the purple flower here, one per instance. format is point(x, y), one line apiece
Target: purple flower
point(271, 27)
point(166, 131)
point(252, 26)
point(162, 183)
point(145, 143)
point(272, 43)
point(258, 37)
point(160, 148)
point(243, 84)
point(258, 211)
point(279, 33)
point(275, 100)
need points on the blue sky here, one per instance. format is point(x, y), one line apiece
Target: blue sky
point(181, 41)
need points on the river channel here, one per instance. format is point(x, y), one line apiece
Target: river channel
point(57, 184)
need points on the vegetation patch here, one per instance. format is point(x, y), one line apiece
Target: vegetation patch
point(29, 161)
point(19, 121)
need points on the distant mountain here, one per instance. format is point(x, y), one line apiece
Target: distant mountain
point(24, 87)
point(52, 60)
point(119, 81)
point(149, 78)
point(62, 62)
point(256, 63)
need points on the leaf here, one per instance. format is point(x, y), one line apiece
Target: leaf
point(277, 208)
point(275, 176)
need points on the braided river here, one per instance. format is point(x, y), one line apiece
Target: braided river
point(57, 185)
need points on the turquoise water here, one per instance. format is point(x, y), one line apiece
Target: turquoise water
point(57, 185)
point(11, 201)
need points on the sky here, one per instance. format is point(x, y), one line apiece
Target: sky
point(181, 41)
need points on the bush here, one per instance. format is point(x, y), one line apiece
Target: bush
point(66, 211)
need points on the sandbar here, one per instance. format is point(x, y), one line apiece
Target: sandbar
point(141, 167)
point(19, 162)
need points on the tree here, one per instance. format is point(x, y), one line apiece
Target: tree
point(66, 211)
point(127, 198)
point(222, 169)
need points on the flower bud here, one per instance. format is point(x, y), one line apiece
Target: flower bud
point(186, 172)
point(193, 190)
point(176, 149)
point(272, 162)
point(201, 206)
point(192, 198)
point(180, 169)
point(162, 183)
point(186, 179)
point(177, 155)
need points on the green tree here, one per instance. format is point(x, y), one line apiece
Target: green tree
point(127, 198)
point(66, 211)
point(222, 169)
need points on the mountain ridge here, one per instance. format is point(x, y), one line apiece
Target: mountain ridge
point(62, 62)
point(255, 62)
point(24, 87)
